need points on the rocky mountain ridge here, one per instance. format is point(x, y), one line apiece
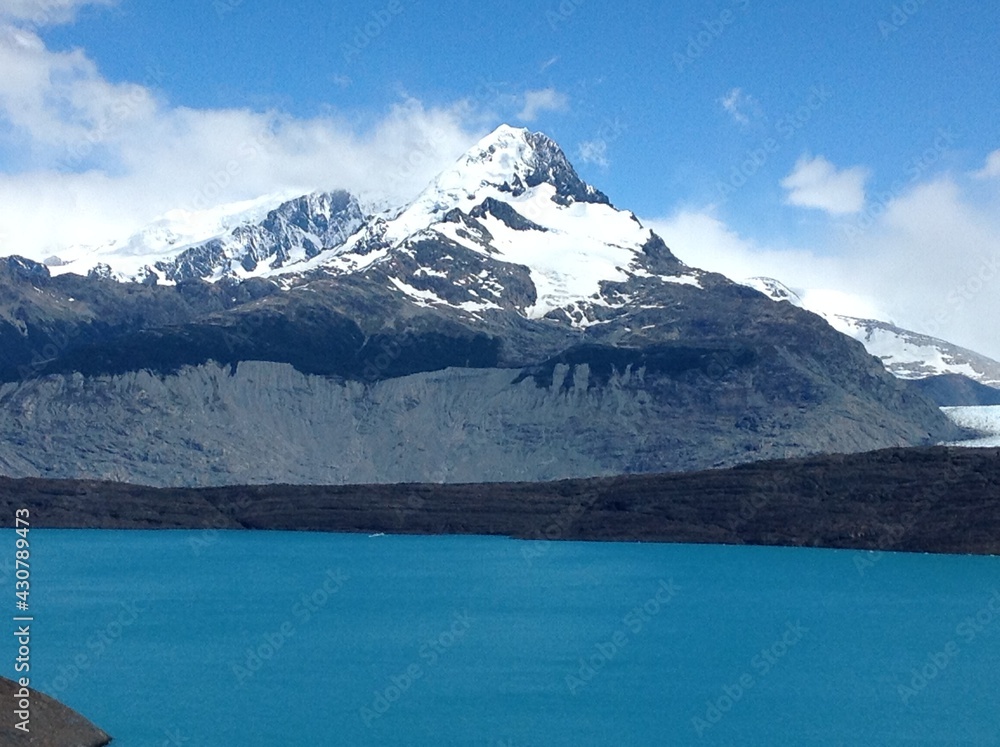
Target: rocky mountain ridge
point(906, 354)
point(509, 323)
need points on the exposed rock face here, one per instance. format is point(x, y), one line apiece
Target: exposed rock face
point(509, 323)
point(911, 355)
point(355, 383)
point(907, 354)
point(950, 390)
point(592, 411)
point(296, 230)
point(52, 724)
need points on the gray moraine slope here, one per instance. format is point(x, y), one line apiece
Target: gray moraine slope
point(266, 422)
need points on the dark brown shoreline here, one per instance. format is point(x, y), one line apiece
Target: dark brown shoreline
point(937, 499)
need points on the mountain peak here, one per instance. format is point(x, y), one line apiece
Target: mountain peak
point(505, 133)
point(515, 159)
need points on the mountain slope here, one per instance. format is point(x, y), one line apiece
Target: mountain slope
point(509, 323)
point(947, 390)
point(235, 241)
point(907, 354)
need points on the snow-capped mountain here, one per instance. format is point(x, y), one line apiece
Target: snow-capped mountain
point(907, 354)
point(237, 240)
point(513, 199)
point(510, 226)
point(508, 323)
point(294, 232)
point(512, 206)
point(132, 257)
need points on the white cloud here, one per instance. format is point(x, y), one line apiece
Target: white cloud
point(817, 183)
point(991, 169)
point(59, 99)
point(929, 262)
point(741, 106)
point(44, 12)
point(542, 100)
point(701, 239)
point(594, 151)
point(107, 158)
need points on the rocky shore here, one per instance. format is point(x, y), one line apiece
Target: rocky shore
point(51, 723)
point(936, 499)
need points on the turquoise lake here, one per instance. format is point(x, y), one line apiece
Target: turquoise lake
point(272, 638)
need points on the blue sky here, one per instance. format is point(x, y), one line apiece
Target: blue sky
point(794, 138)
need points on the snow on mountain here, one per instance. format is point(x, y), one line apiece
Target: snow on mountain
point(509, 318)
point(294, 232)
point(508, 163)
point(985, 419)
point(774, 289)
point(239, 240)
point(513, 198)
point(164, 239)
point(910, 355)
point(510, 225)
point(907, 354)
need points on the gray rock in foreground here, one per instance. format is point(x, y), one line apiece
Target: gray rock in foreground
point(51, 725)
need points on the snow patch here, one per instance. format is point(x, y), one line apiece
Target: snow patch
point(983, 418)
point(691, 280)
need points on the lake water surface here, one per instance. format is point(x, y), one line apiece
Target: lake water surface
point(273, 638)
